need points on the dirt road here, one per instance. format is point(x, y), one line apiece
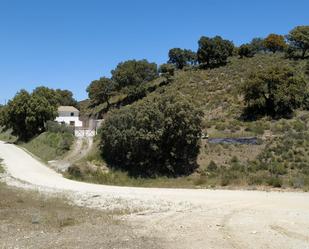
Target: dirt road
point(181, 218)
point(81, 148)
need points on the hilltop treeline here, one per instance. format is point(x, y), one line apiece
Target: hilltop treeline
point(131, 137)
point(130, 77)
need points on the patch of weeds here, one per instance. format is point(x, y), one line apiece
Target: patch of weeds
point(299, 126)
point(274, 181)
point(277, 168)
point(257, 127)
point(212, 166)
point(229, 177)
point(201, 180)
point(220, 126)
point(281, 126)
point(256, 179)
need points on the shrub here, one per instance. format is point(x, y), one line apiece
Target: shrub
point(246, 50)
point(228, 176)
point(277, 168)
point(167, 71)
point(212, 166)
point(256, 128)
point(256, 179)
point(55, 127)
point(64, 144)
point(153, 137)
point(75, 171)
point(275, 182)
point(299, 126)
point(220, 126)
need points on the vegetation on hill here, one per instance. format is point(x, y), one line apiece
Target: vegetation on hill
point(52, 144)
point(154, 126)
point(219, 93)
point(275, 43)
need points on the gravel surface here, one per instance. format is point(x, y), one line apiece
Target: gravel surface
point(181, 218)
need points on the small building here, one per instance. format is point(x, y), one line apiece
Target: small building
point(69, 115)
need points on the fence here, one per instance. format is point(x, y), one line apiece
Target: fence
point(85, 132)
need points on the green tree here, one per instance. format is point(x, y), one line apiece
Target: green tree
point(39, 111)
point(214, 51)
point(276, 91)
point(191, 57)
point(257, 45)
point(299, 39)
point(134, 72)
point(56, 97)
point(246, 50)
point(167, 71)
point(17, 114)
point(47, 93)
point(274, 43)
point(181, 57)
point(65, 98)
point(100, 91)
point(27, 114)
point(3, 116)
point(153, 137)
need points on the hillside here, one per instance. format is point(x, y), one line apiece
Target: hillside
point(217, 93)
point(49, 145)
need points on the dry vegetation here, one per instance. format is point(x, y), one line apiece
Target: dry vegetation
point(30, 220)
point(50, 145)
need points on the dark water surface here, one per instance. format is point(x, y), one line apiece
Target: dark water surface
point(240, 140)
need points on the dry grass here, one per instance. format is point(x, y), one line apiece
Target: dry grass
point(30, 220)
point(222, 154)
point(49, 146)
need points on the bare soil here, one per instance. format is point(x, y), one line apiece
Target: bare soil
point(31, 220)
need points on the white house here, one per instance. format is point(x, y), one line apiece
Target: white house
point(69, 115)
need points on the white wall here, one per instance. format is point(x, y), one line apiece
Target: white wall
point(67, 120)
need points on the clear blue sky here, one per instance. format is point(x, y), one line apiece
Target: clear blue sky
point(68, 43)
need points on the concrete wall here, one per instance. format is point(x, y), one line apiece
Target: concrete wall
point(68, 119)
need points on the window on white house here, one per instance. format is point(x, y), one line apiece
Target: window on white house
point(72, 114)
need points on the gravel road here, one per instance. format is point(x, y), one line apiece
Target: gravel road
point(181, 218)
